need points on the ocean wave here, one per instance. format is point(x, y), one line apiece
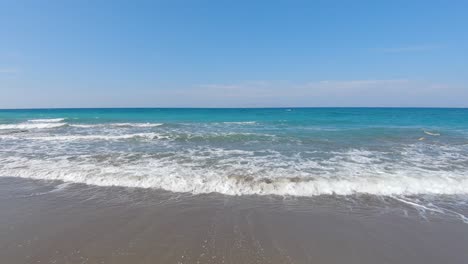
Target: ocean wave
point(26, 126)
point(221, 137)
point(136, 124)
point(172, 136)
point(241, 123)
point(236, 172)
point(431, 133)
point(97, 137)
point(200, 182)
point(83, 125)
point(47, 120)
point(117, 125)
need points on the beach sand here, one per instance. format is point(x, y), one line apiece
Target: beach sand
point(52, 222)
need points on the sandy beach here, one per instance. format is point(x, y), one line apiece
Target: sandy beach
point(53, 222)
point(233, 132)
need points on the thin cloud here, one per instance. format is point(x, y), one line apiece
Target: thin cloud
point(369, 92)
point(322, 93)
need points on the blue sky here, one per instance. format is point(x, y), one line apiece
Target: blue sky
point(233, 53)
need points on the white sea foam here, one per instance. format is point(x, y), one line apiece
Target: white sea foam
point(136, 124)
point(84, 125)
point(97, 137)
point(31, 125)
point(47, 120)
point(431, 133)
point(35, 124)
point(241, 123)
point(148, 135)
point(239, 172)
point(117, 125)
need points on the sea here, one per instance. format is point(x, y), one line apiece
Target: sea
point(405, 153)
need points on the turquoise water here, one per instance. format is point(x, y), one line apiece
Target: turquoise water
point(282, 151)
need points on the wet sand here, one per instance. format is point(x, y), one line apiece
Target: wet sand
point(52, 222)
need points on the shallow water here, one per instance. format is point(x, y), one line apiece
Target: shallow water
point(292, 152)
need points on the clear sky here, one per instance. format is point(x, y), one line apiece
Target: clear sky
point(233, 53)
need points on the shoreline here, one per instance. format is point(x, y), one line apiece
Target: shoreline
point(51, 222)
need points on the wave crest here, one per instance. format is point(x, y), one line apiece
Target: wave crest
point(241, 173)
point(47, 120)
point(25, 126)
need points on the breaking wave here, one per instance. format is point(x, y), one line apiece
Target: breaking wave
point(47, 120)
point(242, 123)
point(297, 157)
point(239, 172)
point(117, 125)
point(32, 125)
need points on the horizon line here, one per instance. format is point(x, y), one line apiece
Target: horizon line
point(207, 107)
